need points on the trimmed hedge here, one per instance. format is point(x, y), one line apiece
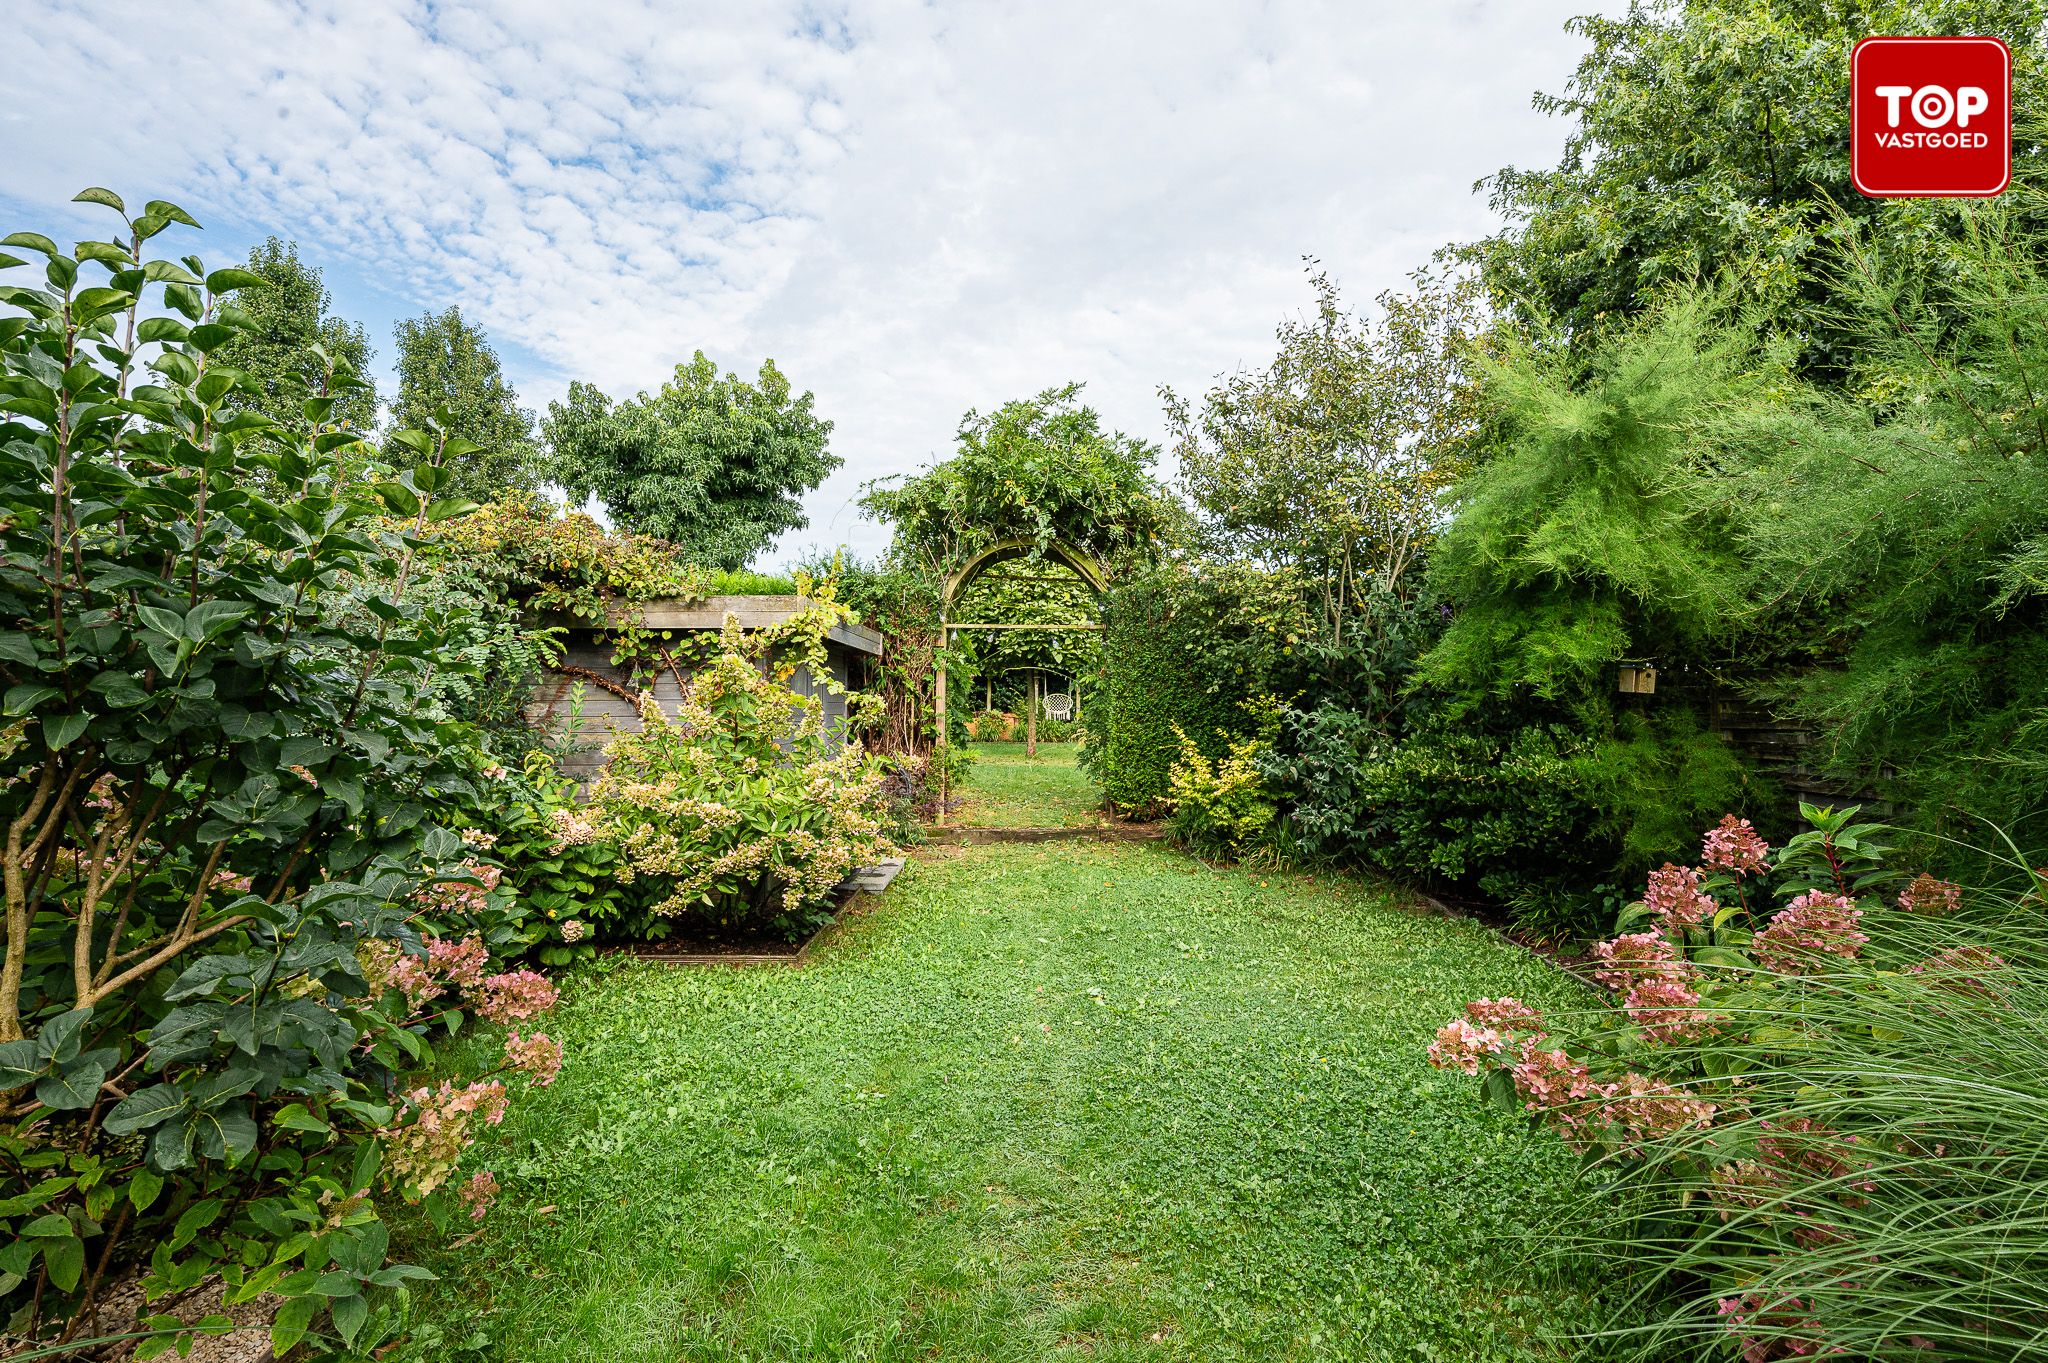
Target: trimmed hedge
point(1188, 647)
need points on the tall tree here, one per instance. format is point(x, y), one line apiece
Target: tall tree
point(290, 317)
point(445, 365)
point(1041, 469)
point(716, 464)
point(1335, 459)
point(1712, 136)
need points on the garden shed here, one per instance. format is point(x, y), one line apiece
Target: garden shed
point(610, 702)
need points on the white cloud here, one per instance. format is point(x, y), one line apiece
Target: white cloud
point(915, 208)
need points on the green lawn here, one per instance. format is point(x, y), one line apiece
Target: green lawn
point(1006, 789)
point(1061, 1101)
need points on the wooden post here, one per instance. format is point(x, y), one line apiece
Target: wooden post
point(1031, 720)
point(939, 694)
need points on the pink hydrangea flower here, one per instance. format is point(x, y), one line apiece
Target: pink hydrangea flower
point(1928, 895)
point(514, 996)
point(386, 965)
point(479, 1193)
point(1667, 1008)
point(1460, 1045)
point(1632, 956)
point(462, 962)
point(467, 895)
point(1734, 846)
point(426, 1149)
point(539, 1056)
point(1509, 1013)
point(1817, 923)
point(1676, 898)
point(1551, 1082)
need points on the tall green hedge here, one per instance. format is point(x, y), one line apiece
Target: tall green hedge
point(1183, 645)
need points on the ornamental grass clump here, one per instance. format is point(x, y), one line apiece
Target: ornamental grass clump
point(1818, 1110)
point(738, 810)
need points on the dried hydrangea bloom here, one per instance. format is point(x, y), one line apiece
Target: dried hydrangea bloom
point(1816, 924)
point(1648, 1109)
point(1962, 968)
point(1743, 1185)
point(479, 1193)
point(1929, 895)
point(1633, 956)
point(514, 996)
point(538, 1056)
point(1667, 1008)
point(574, 929)
point(1805, 1149)
point(1794, 1333)
point(1460, 1045)
point(425, 1150)
point(1676, 898)
point(1734, 846)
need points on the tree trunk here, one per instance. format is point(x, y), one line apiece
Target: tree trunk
point(1031, 719)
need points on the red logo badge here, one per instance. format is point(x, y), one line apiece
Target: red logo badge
point(1930, 117)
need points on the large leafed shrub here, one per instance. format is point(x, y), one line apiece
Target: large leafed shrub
point(229, 908)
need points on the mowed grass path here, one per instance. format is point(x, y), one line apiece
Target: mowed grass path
point(1040, 1102)
point(1006, 789)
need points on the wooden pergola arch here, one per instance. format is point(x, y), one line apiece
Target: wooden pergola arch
point(1084, 566)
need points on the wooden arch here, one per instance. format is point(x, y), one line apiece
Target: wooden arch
point(1084, 565)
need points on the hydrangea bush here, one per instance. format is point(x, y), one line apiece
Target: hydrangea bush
point(1806, 1097)
point(739, 809)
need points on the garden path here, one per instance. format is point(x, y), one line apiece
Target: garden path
point(1066, 1100)
point(1006, 789)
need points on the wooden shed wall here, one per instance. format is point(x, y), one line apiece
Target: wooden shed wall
point(605, 713)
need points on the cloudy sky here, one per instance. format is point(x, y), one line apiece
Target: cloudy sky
point(915, 208)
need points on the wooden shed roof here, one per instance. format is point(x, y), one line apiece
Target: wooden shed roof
point(753, 612)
